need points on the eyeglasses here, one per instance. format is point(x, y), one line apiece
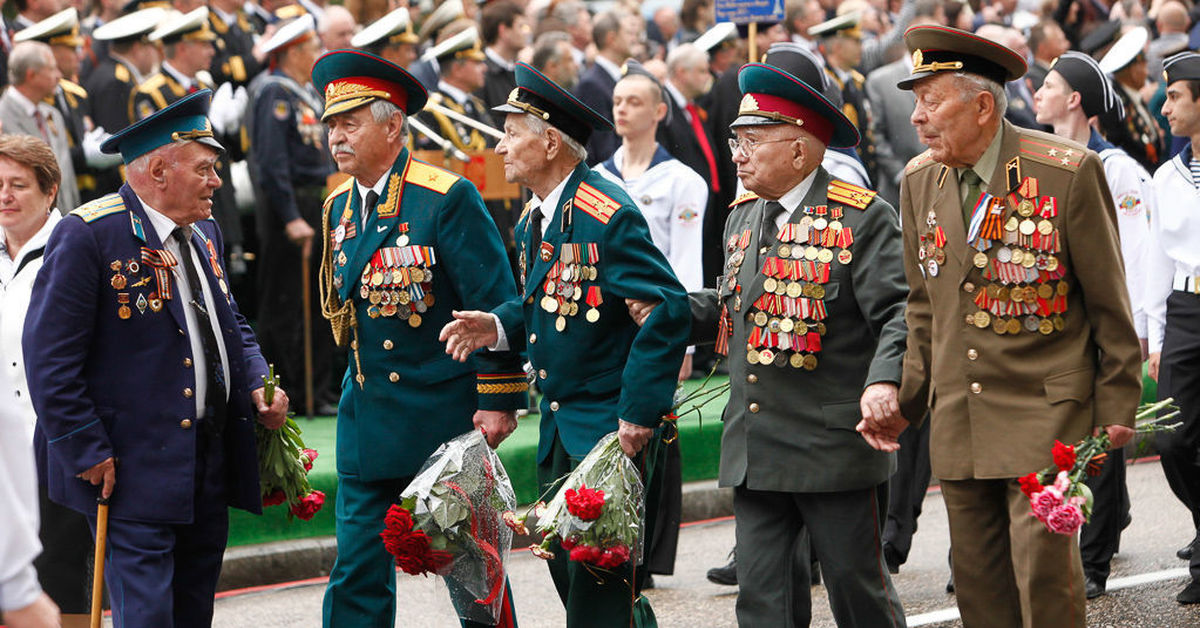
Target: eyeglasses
point(745, 145)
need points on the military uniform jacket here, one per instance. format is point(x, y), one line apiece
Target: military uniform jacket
point(111, 86)
point(1009, 366)
point(430, 240)
point(789, 426)
point(72, 102)
point(110, 368)
point(288, 142)
point(595, 368)
point(464, 137)
point(234, 61)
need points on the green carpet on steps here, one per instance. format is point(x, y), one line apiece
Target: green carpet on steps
point(700, 439)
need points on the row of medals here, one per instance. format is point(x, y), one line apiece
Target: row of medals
point(119, 282)
point(567, 287)
point(385, 290)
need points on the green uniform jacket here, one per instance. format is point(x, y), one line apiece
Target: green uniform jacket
point(413, 397)
point(593, 373)
point(790, 429)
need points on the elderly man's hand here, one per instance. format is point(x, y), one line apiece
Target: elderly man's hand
point(495, 424)
point(640, 310)
point(102, 473)
point(467, 332)
point(882, 423)
point(300, 233)
point(272, 416)
point(1118, 435)
point(633, 437)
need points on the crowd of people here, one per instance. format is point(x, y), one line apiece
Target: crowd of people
point(822, 219)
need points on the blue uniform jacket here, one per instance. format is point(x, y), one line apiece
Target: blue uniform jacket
point(593, 373)
point(110, 376)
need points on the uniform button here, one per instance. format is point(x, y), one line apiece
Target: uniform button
point(394, 377)
point(354, 345)
point(972, 354)
point(187, 363)
point(968, 287)
point(752, 378)
point(542, 373)
point(187, 393)
point(754, 407)
point(182, 333)
point(387, 345)
point(532, 338)
point(976, 387)
point(186, 424)
point(554, 406)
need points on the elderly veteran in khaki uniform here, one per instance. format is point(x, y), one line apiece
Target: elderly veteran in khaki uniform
point(1019, 331)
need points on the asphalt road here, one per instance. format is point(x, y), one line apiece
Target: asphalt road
point(1146, 576)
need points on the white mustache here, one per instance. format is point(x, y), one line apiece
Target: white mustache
point(341, 148)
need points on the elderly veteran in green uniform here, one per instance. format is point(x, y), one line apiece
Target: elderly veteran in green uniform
point(811, 305)
point(405, 244)
point(1020, 331)
point(583, 248)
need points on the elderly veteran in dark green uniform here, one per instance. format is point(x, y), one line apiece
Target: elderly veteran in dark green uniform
point(405, 244)
point(1020, 331)
point(583, 248)
point(811, 310)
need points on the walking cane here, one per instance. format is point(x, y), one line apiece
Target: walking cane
point(306, 286)
point(98, 572)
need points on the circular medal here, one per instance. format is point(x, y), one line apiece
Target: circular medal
point(752, 356)
point(1027, 227)
point(786, 325)
point(576, 292)
point(1062, 288)
point(765, 357)
point(339, 234)
point(420, 275)
point(402, 240)
point(1045, 327)
point(1014, 326)
point(1017, 256)
point(982, 319)
point(223, 286)
point(592, 315)
point(1004, 255)
point(1059, 323)
point(773, 326)
point(364, 291)
point(999, 326)
point(560, 323)
point(124, 312)
point(780, 360)
point(568, 272)
point(387, 310)
point(932, 266)
point(414, 320)
point(980, 260)
point(1025, 208)
point(825, 256)
point(845, 256)
point(1029, 260)
point(1051, 263)
point(810, 362)
point(801, 327)
point(796, 361)
point(820, 224)
point(397, 276)
point(133, 266)
point(373, 311)
point(404, 298)
point(811, 252)
point(1044, 291)
point(797, 252)
point(820, 329)
point(785, 250)
point(377, 278)
point(806, 223)
point(835, 225)
point(1012, 224)
point(818, 291)
point(429, 300)
point(939, 255)
point(1045, 227)
point(769, 284)
point(550, 304)
point(118, 282)
point(760, 319)
point(156, 304)
point(1031, 323)
point(795, 289)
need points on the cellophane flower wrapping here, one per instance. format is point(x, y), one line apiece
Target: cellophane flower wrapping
point(597, 513)
point(458, 500)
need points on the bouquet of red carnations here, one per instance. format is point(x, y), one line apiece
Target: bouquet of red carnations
point(451, 522)
point(284, 463)
point(597, 513)
point(1057, 495)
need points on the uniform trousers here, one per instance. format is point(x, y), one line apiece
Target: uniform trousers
point(165, 575)
point(362, 584)
point(845, 529)
point(1009, 570)
point(596, 598)
point(1179, 377)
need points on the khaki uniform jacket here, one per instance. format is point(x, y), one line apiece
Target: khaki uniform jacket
point(999, 401)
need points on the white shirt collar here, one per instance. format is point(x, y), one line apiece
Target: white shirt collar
point(676, 94)
point(228, 18)
point(163, 226)
point(548, 204)
point(609, 66)
point(179, 77)
point(377, 188)
point(457, 94)
point(498, 60)
point(792, 198)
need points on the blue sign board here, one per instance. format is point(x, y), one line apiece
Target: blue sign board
point(747, 11)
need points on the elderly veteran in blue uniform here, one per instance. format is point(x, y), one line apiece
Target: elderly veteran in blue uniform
point(811, 306)
point(405, 244)
point(600, 373)
point(146, 379)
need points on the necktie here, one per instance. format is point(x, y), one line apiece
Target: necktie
point(535, 225)
point(41, 124)
point(215, 397)
point(973, 184)
point(705, 147)
point(369, 206)
point(771, 213)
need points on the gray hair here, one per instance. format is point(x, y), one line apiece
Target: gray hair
point(546, 49)
point(539, 126)
point(333, 12)
point(971, 84)
point(141, 164)
point(28, 56)
point(685, 56)
point(383, 110)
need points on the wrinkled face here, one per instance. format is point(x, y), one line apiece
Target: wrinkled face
point(192, 179)
point(1051, 99)
point(565, 71)
point(766, 161)
point(44, 80)
point(636, 110)
point(67, 60)
point(946, 122)
point(338, 34)
point(1181, 110)
point(693, 81)
point(358, 143)
point(23, 205)
point(524, 151)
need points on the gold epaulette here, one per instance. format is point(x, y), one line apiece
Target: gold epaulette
point(745, 198)
point(1051, 153)
point(346, 186)
point(847, 194)
point(99, 208)
point(918, 162)
point(595, 203)
point(122, 73)
point(73, 88)
point(152, 84)
point(430, 177)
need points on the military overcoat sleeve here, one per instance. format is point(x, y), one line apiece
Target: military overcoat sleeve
point(880, 289)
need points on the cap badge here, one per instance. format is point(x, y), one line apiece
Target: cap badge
point(749, 104)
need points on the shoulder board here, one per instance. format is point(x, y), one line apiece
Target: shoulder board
point(595, 203)
point(152, 84)
point(345, 186)
point(101, 207)
point(1051, 153)
point(430, 177)
point(745, 198)
point(919, 162)
point(847, 194)
point(122, 73)
point(74, 88)
point(858, 77)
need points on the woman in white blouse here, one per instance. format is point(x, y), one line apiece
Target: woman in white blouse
point(29, 178)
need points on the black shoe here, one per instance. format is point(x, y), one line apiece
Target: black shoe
point(950, 583)
point(1190, 594)
point(726, 575)
point(1093, 587)
point(1185, 552)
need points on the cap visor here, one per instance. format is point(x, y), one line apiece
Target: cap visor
point(209, 141)
point(908, 83)
point(749, 120)
point(346, 105)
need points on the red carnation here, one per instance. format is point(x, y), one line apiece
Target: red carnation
point(274, 498)
point(569, 543)
point(585, 503)
point(309, 505)
point(1064, 456)
point(1030, 484)
point(410, 547)
point(307, 458)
